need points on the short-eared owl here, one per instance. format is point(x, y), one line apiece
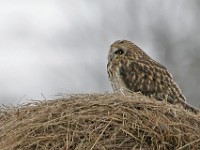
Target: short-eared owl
point(130, 68)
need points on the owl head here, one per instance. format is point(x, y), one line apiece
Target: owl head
point(123, 48)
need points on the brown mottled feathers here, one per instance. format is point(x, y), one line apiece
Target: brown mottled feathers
point(131, 68)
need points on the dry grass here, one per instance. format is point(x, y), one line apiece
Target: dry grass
point(99, 121)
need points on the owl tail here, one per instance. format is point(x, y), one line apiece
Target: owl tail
point(190, 107)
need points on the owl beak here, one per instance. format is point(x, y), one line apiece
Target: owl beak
point(110, 57)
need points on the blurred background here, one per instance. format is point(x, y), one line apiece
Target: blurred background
point(48, 48)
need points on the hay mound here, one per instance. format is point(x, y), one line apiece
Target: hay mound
point(99, 121)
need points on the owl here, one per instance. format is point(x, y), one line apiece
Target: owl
point(131, 69)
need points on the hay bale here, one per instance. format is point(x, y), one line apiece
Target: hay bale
point(99, 121)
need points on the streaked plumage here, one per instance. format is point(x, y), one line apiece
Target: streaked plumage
point(131, 68)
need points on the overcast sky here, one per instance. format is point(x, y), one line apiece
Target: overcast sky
point(36, 56)
point(53, 47)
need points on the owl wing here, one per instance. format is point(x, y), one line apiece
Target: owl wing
point(146, 76)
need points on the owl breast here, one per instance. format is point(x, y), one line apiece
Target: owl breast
point(115, 77)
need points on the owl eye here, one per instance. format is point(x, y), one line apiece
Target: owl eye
point(119, 52)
